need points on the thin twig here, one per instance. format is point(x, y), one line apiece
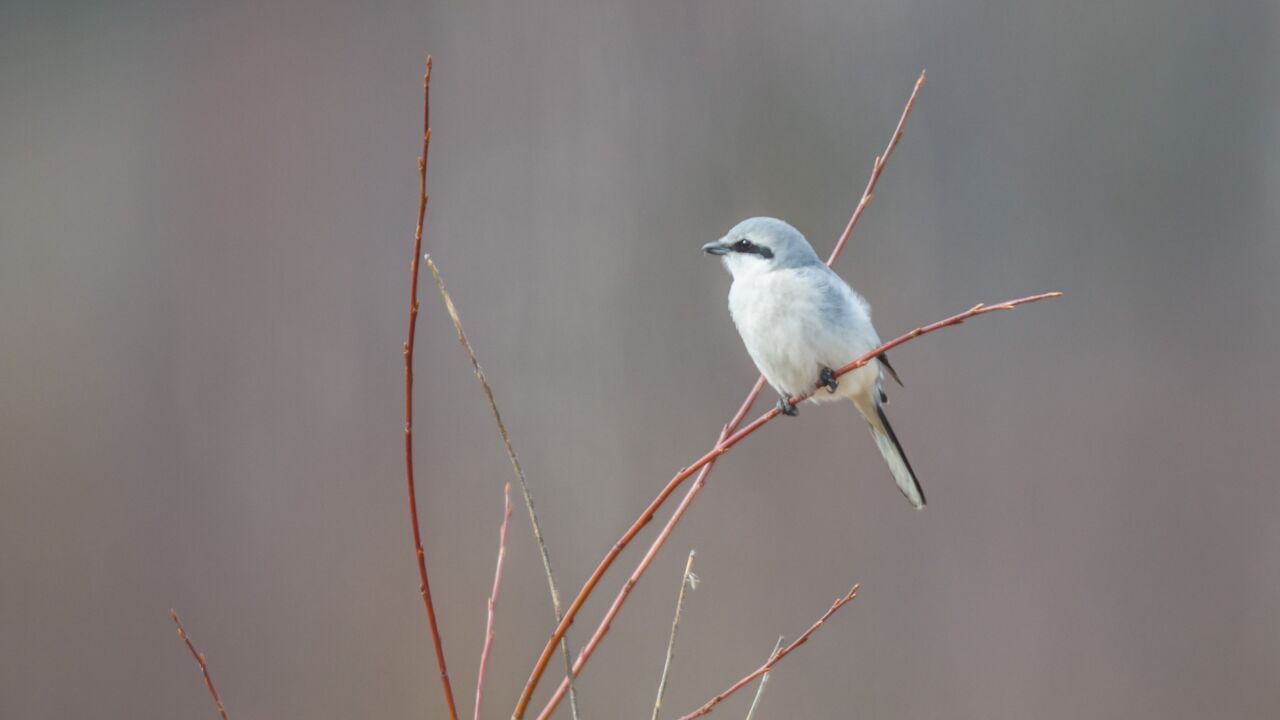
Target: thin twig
point(876, 168)
point(493, 596)
point(774, 659)
point(516, 468)
point(541, 665)
point(424, 586)
point(764, 680)
point(727, 441)
point(687, 581)
point(204, 667)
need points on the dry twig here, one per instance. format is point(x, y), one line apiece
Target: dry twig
point(515, 466)
point(541, 665)
point(687, 581)
point(204, 668)
point(764, 680)
point(774, 659)
point(493, 596)
point(424, 586)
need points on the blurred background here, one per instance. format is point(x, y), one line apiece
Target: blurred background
point(206, 217)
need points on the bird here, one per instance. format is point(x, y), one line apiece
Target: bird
point(800, 321)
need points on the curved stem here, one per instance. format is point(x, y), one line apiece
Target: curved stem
point(562, 627)
point(705, 463)
point(515, 467)
point(424, 586)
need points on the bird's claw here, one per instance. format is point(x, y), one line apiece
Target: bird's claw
point(827, 378)
point(788, 408)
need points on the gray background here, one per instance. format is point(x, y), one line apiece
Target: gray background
point(206, 213)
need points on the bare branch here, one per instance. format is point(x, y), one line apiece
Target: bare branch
point(424, 586)
point(687, 581)
point(204, 667)
point(727, 440)
point(876, 168)
point(774, 659)
point(493, 596)
point(764, 680)
point(515, 467)
point(645, 517)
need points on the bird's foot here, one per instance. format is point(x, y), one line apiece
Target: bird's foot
point(788, 408)
point(827, 378)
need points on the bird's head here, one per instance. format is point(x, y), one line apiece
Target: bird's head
point(760, 245)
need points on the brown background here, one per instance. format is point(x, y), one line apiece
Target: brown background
point(205, 224)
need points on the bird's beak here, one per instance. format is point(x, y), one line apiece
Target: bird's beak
point(715, 248)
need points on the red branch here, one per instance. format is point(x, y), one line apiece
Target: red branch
point(541, 665)
point(726, 442)
point(775, 659)
point(493, 596)
point(425, 585)
point(204, 668)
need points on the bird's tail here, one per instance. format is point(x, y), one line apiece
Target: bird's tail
point(891, 449)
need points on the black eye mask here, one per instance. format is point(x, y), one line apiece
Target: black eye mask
point(750, 248)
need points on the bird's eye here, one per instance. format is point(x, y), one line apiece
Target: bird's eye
point(743, 245)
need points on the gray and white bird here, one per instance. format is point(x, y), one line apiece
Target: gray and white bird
point(800, 322)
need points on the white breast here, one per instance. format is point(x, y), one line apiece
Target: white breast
point(796, 321)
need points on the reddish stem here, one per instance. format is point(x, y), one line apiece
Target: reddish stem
point(424, 585)
point(727, 441)
point(541, 665)
point(204, 668)
point(493, 596)
point(775, 659)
